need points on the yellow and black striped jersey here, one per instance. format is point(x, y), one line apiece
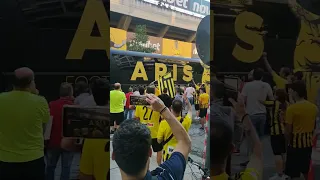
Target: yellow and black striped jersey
point(277, 121)
point(302, 116)
point(196, 98)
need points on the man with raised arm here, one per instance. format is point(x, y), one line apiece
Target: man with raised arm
point(132, 147)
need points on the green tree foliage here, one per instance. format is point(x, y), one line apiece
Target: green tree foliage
point(139, 41)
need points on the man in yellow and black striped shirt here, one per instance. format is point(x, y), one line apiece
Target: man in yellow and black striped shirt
point(300, 124)
point(278, 142)
point(196, 103)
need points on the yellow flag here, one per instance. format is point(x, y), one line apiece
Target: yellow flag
point(166, 81)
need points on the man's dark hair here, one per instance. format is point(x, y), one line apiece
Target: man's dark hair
point(65, 89)
point(150, 90)
point(131, 146)
point(258, 74)
point(141, 90)
point(203, 89)
point(221, 136)
point(165, 90)
point(286, 71)
point(82, 87)
point(298, 75)
point(217, 89)
point(101, 91)
point(22, 82)
point(179, 91)
point(177, 106)
point(300, 88)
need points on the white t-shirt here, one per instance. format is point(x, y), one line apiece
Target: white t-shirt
point(255, 93)
point(190, 91)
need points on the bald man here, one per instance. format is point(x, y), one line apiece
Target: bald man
point(117, 103)
point(23, 115)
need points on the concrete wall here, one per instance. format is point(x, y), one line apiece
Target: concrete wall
point(151, 12)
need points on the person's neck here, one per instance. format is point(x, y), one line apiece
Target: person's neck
point(176, 114)
point(217, 170)
point(22, 89)
point(299, 99)
point(139, 177)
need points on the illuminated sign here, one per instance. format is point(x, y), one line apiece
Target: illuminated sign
point(197, 8)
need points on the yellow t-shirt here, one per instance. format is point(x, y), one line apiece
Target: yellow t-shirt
point(248, 174)
point(302, 116)
point(280, 82)
point(95, 161)
point(117, 99)
point(165, 132)
point(150, 118)
point(22, 116)
point(204, 100)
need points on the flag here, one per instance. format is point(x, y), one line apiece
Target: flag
point(166, 81)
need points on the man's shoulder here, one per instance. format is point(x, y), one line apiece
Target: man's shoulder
point(173, 168)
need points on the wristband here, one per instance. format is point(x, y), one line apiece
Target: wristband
point(163, 110)
point(244, 116)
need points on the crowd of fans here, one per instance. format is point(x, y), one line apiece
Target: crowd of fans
point(25, 152)
point(284, 110)
point(154, 127)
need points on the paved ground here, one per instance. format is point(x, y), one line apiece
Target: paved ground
point(269, 166)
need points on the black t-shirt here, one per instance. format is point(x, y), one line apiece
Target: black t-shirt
point(167, 100)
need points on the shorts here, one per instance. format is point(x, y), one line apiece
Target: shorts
point(116, 117)
point(197, 107)
point(203, 112)
point(278, 144)
point(298, 161)
point(156, 146)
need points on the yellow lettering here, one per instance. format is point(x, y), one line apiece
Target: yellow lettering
point(187, 71)
point(160, 70)
point(139, 72)
point(81, 78)
point(251, 37)
point(175, 72)
point(94, 12)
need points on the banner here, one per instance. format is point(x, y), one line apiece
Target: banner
point(154, 42)
point(197, 8)
point(166, 81)
point(176, 48)
point(118, 39)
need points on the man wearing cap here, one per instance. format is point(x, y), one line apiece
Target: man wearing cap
point(22, 118)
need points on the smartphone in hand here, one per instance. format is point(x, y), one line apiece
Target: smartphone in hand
point(139, 100)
